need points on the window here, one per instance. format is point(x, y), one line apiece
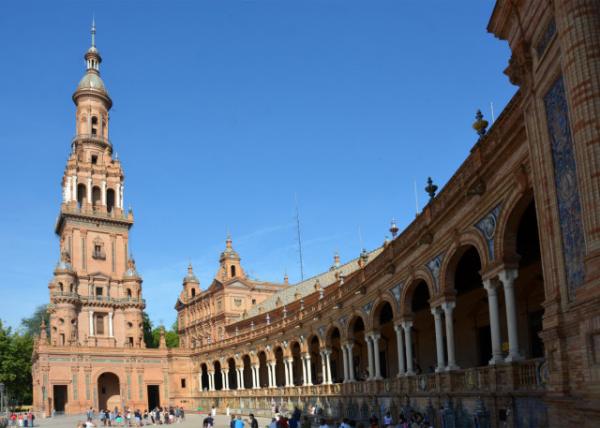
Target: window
point(129, 292)
point(232, 271)
point(94, 159)
point(254, 301)
point(193, 292)
point(99, 325)
point(94, 125)
point(130, 341)
point(98, 291)
point(98, 252)
point(183, 383)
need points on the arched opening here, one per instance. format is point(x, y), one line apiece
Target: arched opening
point(193, 292)
point(529, 285)
point(231, 374)
point(423, 333)
point(337, 362)
point(248, 371)
point(204, 377)
point(94, 125)
point(129, 292)
point(296, 364)
point(61, 287)
point(316, 363)
point(96, 196)
point(279, 368)
point(110, 200)
point(263, 371)
point(218, 376)
point(471, 315)
point(109, 391)
point(388, 347)
point(232, 271)
point(359, 362)
point(81, 195)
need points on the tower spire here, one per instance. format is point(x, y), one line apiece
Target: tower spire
point(93, 31)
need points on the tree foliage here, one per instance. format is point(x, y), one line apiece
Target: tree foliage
point(16, 348)
point(152, 334)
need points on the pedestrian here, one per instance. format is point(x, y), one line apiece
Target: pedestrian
point(239, 423)
point(323, 424)
point(253, 421)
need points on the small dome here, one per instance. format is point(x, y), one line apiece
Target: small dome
point(92, 81)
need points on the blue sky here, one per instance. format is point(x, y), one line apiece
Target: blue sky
point(224, 110)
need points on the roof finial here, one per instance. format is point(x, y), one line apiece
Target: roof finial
point(93, 31)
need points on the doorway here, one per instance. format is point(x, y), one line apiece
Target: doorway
point(60, 398)
point(109, 392)
point(153, 396)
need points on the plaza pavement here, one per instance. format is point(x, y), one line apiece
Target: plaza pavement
point(191, 420)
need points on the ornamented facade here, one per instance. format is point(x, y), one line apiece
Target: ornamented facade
point(487, 306)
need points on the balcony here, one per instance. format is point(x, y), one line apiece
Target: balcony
point(122, 301)
point(93, 138)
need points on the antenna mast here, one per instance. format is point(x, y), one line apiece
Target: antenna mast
point(299, 238)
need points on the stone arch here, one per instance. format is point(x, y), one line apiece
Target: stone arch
point(377, 304)
point(505, 236)
point(382, 319)
point(356, 331)
point(109, 390)
point(454, 254)
point(409, 289)
point(333, 325)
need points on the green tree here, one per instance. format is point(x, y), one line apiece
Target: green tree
point(147, 328)
point(15, 363)
point(31, 325)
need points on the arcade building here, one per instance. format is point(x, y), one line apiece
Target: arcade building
point(485, 308)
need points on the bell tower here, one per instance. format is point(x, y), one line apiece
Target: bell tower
point(95, 294)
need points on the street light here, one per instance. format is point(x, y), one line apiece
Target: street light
point(1, 396)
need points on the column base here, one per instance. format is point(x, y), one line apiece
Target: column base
point(440, 369)
point(496, 359)
point(409, 373)
point(377, 378)
point(399, 375)
point(513, 358)
point(452, 367)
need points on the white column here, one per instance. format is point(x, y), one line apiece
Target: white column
point(74, 187)
point(439, 339)
point(448, 308)
point(400, 346)
point(89, 190)
point(91, 323)
point(351, 377)
point(304, 379)
point(371, 369)
point(308, 370)
point(327, 367)
point(211, 381)
point(407, 325)
point(103, 192)
point(507, 277)
point(110, 324)
point(274, 374)
point(118, 196)
point(375, 339)
point(256, 377)
point(345, 361)
point(286, 372)
point(241, 379)
point(225, 379)
point(492, 294)
point(122, 194)
point(67, 190)
point(290, 363)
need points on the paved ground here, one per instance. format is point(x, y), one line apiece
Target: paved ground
point(191, 420)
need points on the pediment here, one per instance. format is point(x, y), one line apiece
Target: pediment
point(99, 276)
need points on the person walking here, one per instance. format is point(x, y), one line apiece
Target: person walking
point(253, 421)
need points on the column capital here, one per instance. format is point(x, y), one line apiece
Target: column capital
point(490, 285)
point(448, 306)
point(398, 327)
point(437, 311)
point(349, 345)
point(406, 325)
point(508, 276)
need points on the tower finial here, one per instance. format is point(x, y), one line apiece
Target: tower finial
point(93, 31)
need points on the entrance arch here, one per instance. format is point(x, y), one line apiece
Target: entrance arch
point(109, 391)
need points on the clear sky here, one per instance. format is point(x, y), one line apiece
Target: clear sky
point(223, 110)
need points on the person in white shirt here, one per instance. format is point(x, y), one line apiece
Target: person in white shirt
point(387, 420)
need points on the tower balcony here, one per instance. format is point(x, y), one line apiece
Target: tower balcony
point(71, 297)
point(94, 139)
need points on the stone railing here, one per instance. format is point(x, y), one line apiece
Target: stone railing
point(97, 299)
point(525, 376)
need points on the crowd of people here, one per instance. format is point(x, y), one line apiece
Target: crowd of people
point(21, 419)
point(133, 418)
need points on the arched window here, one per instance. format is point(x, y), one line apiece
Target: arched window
point(193, 292)
point(110, 200)
point(96, 196)
point(232, 271)
point(94, 125)
point(129, 292)
point(60, 286)
point(81, 195)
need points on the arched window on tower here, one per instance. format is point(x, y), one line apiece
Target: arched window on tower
point(96, 196)
point(81, 195)
point(110, 200)
point(232, 271)
point(129, 292)
point(94, 125)
point(193, 292)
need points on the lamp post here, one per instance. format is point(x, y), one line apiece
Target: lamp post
point(1, 398)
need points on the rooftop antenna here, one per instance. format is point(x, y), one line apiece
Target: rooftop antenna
point(299, 238)
point(492, 109)
point(416, 199)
